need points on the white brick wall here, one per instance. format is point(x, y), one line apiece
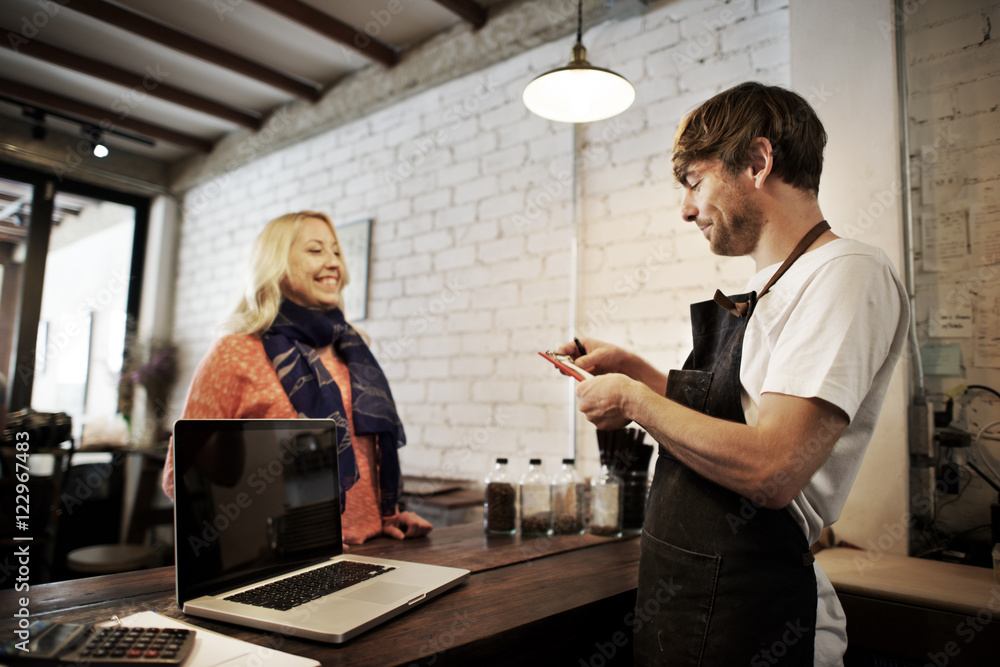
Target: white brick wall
point(470, 197)
point(953, 69)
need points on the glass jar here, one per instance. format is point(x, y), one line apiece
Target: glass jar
point(606, 504)
point(568, 500)
point(635, 484)
point(500, 503)
point(536, 501)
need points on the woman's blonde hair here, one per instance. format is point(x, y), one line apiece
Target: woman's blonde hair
point(261, 299)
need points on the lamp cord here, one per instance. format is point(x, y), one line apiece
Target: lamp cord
point(579, 21)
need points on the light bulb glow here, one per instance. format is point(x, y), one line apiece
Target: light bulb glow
point(578, 94)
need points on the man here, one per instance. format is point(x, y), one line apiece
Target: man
point(763, 431)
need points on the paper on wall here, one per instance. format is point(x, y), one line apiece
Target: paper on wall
point(987, 342)
point(945, 310)
point(943, 359)
point(942, 176)
point(984, 223)
point(945, 239)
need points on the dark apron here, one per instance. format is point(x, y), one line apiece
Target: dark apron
point(722, 581)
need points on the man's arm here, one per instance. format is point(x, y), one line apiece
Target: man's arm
point(770, 463)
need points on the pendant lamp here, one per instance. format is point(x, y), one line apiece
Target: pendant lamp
point(578, 92)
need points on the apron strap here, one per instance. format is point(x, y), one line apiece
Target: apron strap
point(740, 309)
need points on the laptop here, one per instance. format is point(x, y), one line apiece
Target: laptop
point(258, 540)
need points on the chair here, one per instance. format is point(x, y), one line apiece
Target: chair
point(49, 453)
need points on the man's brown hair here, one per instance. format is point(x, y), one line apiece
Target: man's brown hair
point(726, 127)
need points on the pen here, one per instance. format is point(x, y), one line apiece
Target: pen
point(579, 346)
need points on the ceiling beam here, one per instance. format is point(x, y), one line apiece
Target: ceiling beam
point(11, 233)
point(335, 29)
point(101, 117)
point(469, 10)
point(13, 207)
point(185, 43)
point(148, 84)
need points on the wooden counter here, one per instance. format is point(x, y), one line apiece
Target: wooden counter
point(557, 600)
point(916, 611)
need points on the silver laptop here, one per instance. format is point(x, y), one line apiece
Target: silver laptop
point(258, 539)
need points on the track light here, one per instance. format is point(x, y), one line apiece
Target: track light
point(94, 135)
point(578, 92)
point(37, 116)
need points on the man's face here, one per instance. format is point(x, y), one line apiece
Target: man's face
point(721, 204)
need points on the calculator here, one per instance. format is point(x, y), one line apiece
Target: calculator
point(62, 644)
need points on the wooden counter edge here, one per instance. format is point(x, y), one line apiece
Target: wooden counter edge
point(962, 589)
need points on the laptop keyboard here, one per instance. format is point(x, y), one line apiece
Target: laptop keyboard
point(302, 588)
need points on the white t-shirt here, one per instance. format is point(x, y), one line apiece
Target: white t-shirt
point(832, 327)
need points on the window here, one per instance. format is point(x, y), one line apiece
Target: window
point(71, 260)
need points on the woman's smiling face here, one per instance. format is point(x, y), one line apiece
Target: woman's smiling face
point(315, 267)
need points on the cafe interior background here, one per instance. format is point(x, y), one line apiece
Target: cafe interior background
point(478, 233)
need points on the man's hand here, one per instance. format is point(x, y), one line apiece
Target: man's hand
point(602, 358)
point(602, 400)
point(406, 525)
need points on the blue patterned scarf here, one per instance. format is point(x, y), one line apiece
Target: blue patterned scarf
point(292, 344)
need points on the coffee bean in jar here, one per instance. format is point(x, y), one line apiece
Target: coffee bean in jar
point(500, 509)
point(536, 501)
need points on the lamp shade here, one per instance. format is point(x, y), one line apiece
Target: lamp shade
point(579, 92)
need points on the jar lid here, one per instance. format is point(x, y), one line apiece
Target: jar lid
point(569, 461)
point(501, 460)
point(535, 462)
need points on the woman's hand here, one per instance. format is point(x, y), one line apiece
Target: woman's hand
point(406, 525)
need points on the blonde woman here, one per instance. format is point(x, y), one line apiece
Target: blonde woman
point(291, 354)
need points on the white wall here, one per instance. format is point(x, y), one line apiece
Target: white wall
point(953, 68)
point(853, 84)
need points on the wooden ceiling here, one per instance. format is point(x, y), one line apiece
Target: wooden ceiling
point(167, 79)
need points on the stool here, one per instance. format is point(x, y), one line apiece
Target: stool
point(110, 558)
point(131, 554)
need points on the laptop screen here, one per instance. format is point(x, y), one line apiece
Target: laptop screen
point(252, 499)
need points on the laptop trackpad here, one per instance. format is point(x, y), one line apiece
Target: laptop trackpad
point(383, 592)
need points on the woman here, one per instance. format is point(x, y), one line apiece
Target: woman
point(289, 325)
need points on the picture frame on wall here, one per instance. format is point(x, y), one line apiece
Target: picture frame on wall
point(355, 247)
